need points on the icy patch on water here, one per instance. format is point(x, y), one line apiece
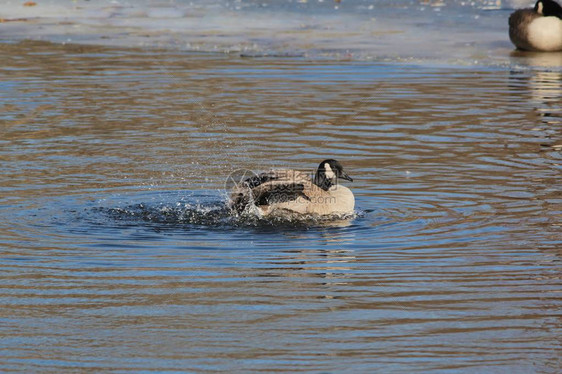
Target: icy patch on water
point(453, 32)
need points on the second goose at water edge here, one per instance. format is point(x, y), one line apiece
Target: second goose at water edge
point(537, 29)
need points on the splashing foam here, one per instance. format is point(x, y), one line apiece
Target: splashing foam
point(218, 214)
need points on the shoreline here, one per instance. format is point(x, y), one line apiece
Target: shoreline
point(449, 36)
point(386, 34)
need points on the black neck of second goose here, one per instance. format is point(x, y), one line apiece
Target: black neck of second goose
point(549, 8)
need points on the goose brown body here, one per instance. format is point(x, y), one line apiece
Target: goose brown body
point(279, 191)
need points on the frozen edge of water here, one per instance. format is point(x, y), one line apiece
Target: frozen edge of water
point(407, 35)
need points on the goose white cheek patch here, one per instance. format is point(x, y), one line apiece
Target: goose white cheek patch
point(329, 172)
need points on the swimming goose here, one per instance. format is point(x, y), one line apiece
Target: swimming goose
point(281, 191)
point(537, 29)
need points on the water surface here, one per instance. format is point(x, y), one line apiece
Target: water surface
point(116, 253)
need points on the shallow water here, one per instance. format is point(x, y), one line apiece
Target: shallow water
point(117, 253)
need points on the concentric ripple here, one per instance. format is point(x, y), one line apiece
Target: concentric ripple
point(117, 252)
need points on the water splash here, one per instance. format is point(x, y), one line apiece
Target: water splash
point(217, 215)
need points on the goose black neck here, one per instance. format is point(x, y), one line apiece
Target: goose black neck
point(322, 181)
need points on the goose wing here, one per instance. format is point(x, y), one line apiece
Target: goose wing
point(275, 186)
point(279, 186)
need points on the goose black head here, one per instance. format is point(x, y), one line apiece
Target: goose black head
point(548, 8)
point(329, 171)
